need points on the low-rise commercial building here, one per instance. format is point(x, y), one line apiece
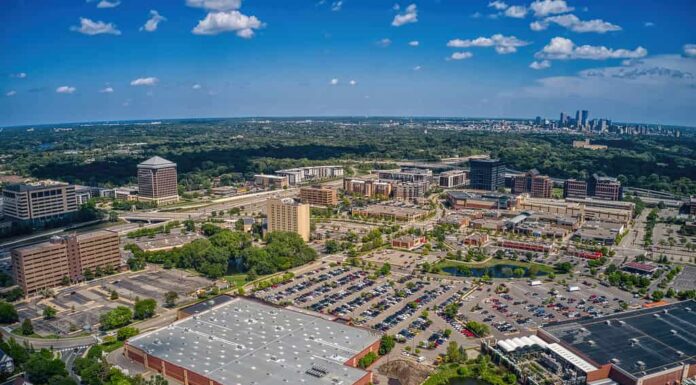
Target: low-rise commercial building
point(526, 246)
point(466, 200)
point(409, 242)
point(319, 196)
point(271, 181)
point(49, 264)
point(241, 341)
point(391, 213)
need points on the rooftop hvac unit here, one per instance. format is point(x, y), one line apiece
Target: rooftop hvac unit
point(615, 360)
point(673, 331)
point(591, 342)
point(680, 353)
point(656, 315)
point(640, 364)
point(664, 311)
point(622, 322)
point(608, 322)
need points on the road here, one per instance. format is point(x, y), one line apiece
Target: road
point(48, 343)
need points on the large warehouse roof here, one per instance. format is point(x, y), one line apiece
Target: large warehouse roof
point(640, 342)
point(246, 342)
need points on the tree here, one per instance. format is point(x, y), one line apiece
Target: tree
point(453, 353)
point(49, 312)
point(127, 332)
point(144, 308)
point(114, 295)
point(518, 272)
point(367, 360)
point(116, 318)
point(43, 366)
point(26, 329)
point(170, 298)
point(657, 295)
point(8, 313)
point(386, 344)
point(564, 267)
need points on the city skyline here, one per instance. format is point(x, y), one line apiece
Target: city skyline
point(111, 60)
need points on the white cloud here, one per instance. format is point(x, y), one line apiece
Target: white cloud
point(108, 4)
point(196, 86)
point(215, 5)
point(19, 75)
point(90, 27)
point(573, 23)
point(334, 81)
point(106, 90)
point(352, 82)
point(560, 48)
point(337, 5)
point(11, 93)
point(499, 5)
point(417, 68)
point(503, 44)
point(543, 8)
point(231, 21)
point(476, 15)
point(414, 43)
point(690, 50)
point(384, 42)
point(516, 11)
point(461, 55)
point(148, 81)
point(153, 22)
point(410, 16)
point(540, 65)
point(649, 24)
point(65, 90)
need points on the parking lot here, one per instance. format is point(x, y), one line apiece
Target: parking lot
point(686, 280)
point(79, 307)
point(518, 308)
point(402, 305)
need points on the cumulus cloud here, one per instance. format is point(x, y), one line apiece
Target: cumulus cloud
point(11, 93)
point(410, 16)
point(417, 68)
point(461, 55)
point(108, 4)
point(516, 11)
point(196, 86)
point(148, 81)
point(386, 42)
point(499, 5)
point(503, 44)
point(690, 50)
point(106, 90)
point(337, 5)
point(540, 65)
point(649, 24)
point(90, 27)
point(573, 23)
point(19, 75)
point(560, 48)
point(414, 43)
point(542, 8)
point(333, 81)
point(230, 21)
point(215, 5)
point(153, 22)
point(352, 82)
point(66, 90)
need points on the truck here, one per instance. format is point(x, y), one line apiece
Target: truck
point(573, 288)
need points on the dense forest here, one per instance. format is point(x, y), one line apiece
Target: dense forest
point(234, 149)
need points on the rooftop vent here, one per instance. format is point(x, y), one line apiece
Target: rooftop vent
point(608, 322)
point(673, 331)
point(640, 364)
point(680, 353)
point(622, 322)
point(317, 371)
point(615, 360)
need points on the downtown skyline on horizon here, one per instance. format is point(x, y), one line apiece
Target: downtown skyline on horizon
point(98, 61)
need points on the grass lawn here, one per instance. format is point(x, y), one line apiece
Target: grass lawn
point(111, 346)
point(18, 332)
point(445, 263)
point(236, 280)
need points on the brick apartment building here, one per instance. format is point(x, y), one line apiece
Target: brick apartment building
point(319, 196)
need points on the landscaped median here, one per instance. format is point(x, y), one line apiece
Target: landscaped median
point(493, 268)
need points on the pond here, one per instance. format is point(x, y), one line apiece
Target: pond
point(496, 271)
point(467, 381)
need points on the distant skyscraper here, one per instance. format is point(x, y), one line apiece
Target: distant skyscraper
point(583, 117)
point(157, 181)
point(578, 121)
point(563, 120)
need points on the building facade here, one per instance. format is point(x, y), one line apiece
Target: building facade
point(603, 187)
point(410, 190)
point(452, 179)
point(49, 264)
point(319, 196)
point(486, 174)
point(303, 174)
point(157, 181)
point(574, 188)
point(39, 202)
point(408, 175)
point(368, 188)
point(538, 186)
point(288, 215)
point(271, 181)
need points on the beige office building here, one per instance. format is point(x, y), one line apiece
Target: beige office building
point(39, 201)
point(157, 181)
point(319, 196)
point(288, 215)
point(44, 265)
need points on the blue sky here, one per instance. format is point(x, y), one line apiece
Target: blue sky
point(77, 60)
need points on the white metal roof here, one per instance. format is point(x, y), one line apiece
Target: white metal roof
point(571, 357)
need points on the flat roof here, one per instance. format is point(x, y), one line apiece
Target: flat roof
point(22, 187)
point(640, 342)
point(206, 305)
point(242, 341)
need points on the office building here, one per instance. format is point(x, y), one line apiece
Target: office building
point(405, 191)
point(288, 215)
point(574, 189)
point(242, 341)
point(586, 144)
point(532, 183)
point(491, 201)
point(271, 181)
point(39, 202)
point(46, 265)
point(319, 196)
point(453, 179)
point(604, 187)
point(307, 174)
point(409, 242)
point(391, 213)
point(369, 188)
point(408, 175)
point(692, 205)
point(486, 174)
point(157, 181)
